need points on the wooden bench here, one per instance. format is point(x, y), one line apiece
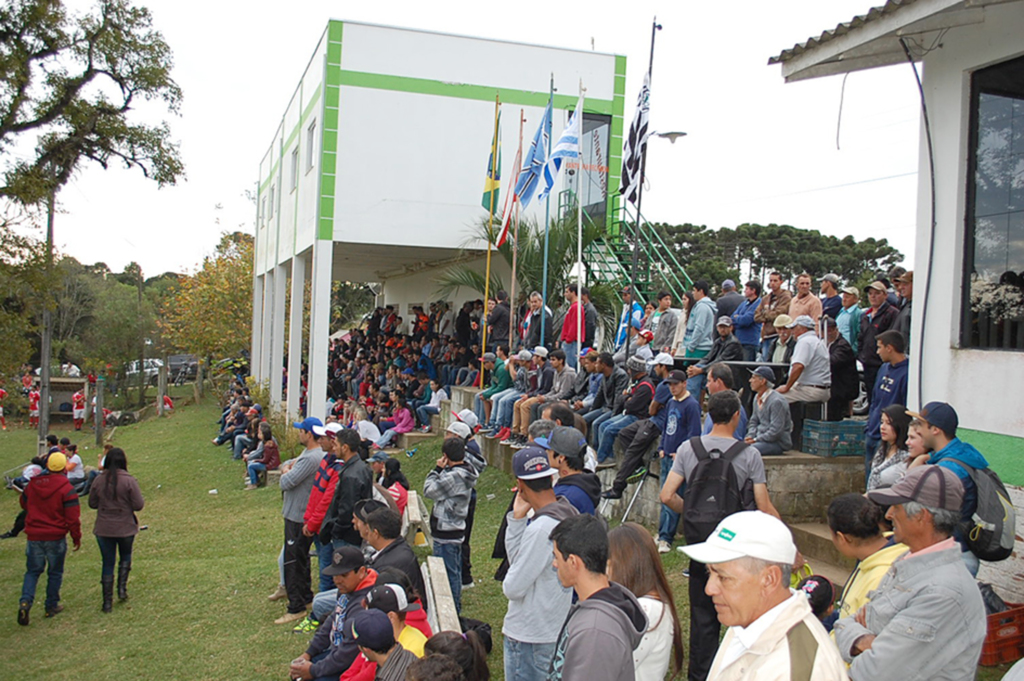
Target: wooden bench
point(441, 612)
point(416, 519)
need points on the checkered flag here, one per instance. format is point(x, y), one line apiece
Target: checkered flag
point(636, 143)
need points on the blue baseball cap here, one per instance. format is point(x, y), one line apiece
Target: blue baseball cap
point(531, 462)
point(309, 423)
point(940, 415)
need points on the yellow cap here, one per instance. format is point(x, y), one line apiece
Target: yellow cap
point(56, 462)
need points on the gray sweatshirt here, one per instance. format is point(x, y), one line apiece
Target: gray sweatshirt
point(772, 422)
point(537, 602)
point(297, 483)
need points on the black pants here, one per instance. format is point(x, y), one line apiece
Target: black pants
point(297, 581)
point(636, 439)
point(704, 626)
point(467, 566)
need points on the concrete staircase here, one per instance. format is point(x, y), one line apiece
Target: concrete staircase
point(801, 487)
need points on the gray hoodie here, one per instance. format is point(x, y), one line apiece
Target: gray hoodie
point(599, 637)
point(537, 602)
point(297, 483)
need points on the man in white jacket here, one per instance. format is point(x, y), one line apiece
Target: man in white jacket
point(772, 631)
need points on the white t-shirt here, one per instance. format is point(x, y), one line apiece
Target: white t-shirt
point(368, 430)
point(79, 471)
point(651, 658)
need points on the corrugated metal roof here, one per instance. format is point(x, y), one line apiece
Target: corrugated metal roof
point(842, 29)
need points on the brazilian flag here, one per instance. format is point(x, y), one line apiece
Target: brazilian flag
point(492, 186)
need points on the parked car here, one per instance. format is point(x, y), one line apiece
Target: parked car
point(151, 369)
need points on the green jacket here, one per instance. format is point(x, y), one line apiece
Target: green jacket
point(500, 380)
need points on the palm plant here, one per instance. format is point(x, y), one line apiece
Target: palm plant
point(562, 239)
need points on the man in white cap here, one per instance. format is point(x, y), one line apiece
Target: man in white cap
point(810, 373)
point(926, 619)
point(772, 631)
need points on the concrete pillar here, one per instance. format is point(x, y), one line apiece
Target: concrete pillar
point(265, 326)
point(276, 375)
point(257, 327)
point(298, 299)
point(319, 327)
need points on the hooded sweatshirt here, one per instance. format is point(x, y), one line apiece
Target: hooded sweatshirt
point(53, 510)
point(537, 601)
point(451, 489)
point(583, 490)
point(598, 638)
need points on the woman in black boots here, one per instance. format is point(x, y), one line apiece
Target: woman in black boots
point(116, 496)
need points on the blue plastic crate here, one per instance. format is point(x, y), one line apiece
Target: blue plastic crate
point(834, 438)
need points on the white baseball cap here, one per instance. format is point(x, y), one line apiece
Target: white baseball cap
point(467, 416)
point(750, 534)
point(663, 358)
point(460, 429)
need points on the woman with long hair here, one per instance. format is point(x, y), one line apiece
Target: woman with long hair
point(116, 496)
point(633, 562)
point(891, 458)
point(403, 423)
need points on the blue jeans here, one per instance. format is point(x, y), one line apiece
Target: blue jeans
point(323, 604)
point(669, 520)
point(386, 437)
point(972, 562)
point(768, 448)
point(324, 554)
point(764, 348)
point(452, 556)
point(424, 413)
point(254, 471)
point(607, 433)
point(572, 354)
point(750, 353)
point(478, 408)
point(241, 442)
point(39, 556)
point(594, 420)
point(695, 384)
point(110, 547)
point(527, 661)
point(501, 413)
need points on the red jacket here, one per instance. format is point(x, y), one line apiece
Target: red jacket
point(271, 455)
point(569, 323)
point(324, 481)
point(52, 507)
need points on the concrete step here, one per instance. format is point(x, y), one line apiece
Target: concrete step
point(411, 439)
point(815, 541)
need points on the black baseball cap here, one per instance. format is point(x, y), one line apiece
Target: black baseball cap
point(676, 376)
point(345, 560)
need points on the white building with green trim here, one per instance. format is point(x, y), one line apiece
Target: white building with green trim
point(376, 172)
point(967, 335)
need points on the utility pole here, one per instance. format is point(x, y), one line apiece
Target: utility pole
point(46, 349)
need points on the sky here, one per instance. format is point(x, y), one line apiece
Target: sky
point(757, 149)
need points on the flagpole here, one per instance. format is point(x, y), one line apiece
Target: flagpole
point(655, 27)
point(490, 233)
point(515, 240)
point(580, 275)
point(547, 218)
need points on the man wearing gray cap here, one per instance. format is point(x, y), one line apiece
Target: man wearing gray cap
point(771, 426)
point(926, 619)
point(810, 373)
point(772, 632)
point(729, 299)
point(726, 348)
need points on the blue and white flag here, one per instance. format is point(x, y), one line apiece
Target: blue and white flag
point(567, 148)
point(533, 164)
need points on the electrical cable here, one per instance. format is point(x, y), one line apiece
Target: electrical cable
point(931, 234)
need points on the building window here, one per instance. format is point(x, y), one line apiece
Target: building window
point(263, 213)
point(993, 309)
point(310, 145)
point(295, 168)
point(270, 214)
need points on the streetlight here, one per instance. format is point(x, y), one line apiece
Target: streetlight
point(670, 136)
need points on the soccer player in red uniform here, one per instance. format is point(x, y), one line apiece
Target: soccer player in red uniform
point(78, 408)
point(33, 408)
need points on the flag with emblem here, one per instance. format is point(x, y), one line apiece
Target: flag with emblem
point(492, 185)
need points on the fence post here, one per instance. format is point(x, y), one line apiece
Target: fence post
point(98, 411)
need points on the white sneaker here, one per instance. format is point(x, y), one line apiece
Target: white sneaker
point(664, 546)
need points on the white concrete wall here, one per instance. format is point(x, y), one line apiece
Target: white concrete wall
point(977, 382)
point(412, 165)
point(289, 228)
point(421, 288)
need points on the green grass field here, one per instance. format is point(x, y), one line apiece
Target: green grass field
point(202, 571)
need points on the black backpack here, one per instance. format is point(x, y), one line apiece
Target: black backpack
point(989, 533)
point(713, 493)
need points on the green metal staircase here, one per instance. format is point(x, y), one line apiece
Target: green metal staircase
point(609, 259)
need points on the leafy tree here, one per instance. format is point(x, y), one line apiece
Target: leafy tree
point(20, 276)
point(210, 312)
point(72, 81)
point(349, 302)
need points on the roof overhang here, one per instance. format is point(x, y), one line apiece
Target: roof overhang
point(873, 39)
